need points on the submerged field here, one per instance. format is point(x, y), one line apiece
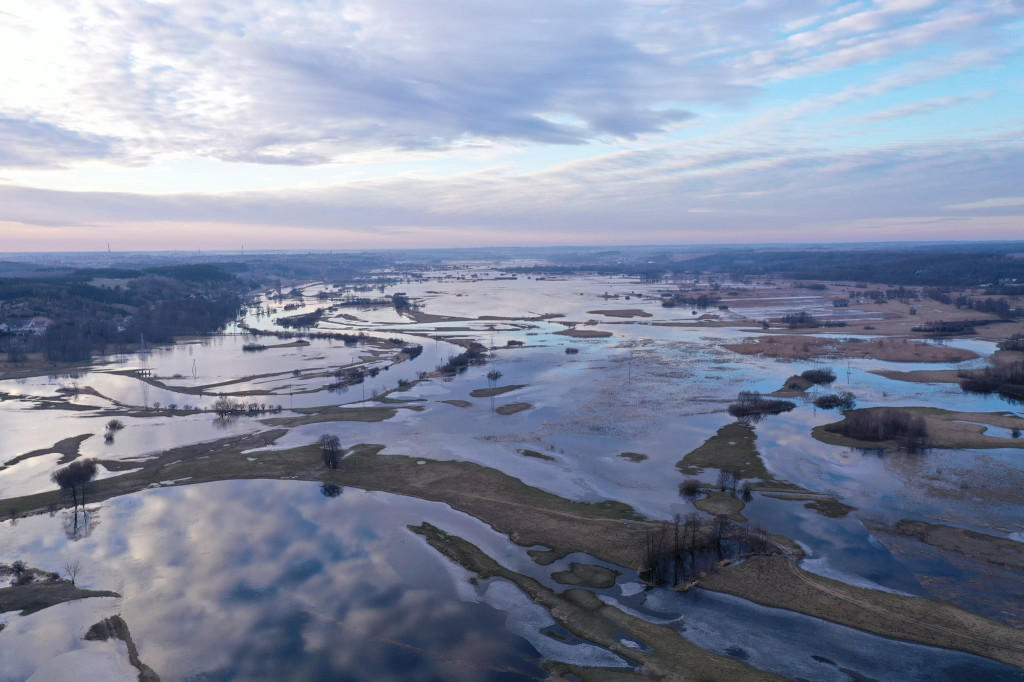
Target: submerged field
point(497, 523)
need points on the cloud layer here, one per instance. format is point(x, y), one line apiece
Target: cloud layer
point(488, 119)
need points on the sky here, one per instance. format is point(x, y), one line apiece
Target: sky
point(326, 124)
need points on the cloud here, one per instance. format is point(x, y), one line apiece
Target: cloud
point(674, 194)
point(36, 144)
point(1001, 202)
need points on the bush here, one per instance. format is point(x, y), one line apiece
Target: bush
point(689, 487)
point(1007, 380)
point(819, 375)
point(844, 401)
point(904, 428)
point(800, 320)
point(753, 404)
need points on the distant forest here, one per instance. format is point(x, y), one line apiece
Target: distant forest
point(963, 265)
point(928, 266)
point(157, 303)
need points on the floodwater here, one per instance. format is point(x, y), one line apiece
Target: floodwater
point(271, 579)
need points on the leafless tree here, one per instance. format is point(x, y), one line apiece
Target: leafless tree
point(73, 568)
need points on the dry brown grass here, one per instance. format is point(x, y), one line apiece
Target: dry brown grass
point(512, 408)
point(497, 390)
point(891, 350)
point(584, 333)
point(776, 582)
point(627, 313)
point(946, 429)
point(37, 596)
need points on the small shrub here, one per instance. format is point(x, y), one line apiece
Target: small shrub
point(689, 487)
point(753, 404)
point(844, 401)
point(819, 375)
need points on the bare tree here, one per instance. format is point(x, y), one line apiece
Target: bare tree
point(330, 448)
point(73, 568)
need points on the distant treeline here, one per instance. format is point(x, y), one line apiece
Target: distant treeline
point(963, 265)
point(156, 304)
point(74, 340)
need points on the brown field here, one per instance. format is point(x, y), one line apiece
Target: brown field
point(778, 582)
point(584, 333)
point(802, 347)
point(626, 313)
point(945, 430)
point(497, 390)
point(512, 408)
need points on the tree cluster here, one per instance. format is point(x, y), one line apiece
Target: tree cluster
point(688, 547)
point(907, 430)
point(75, 476)
point(753, 404)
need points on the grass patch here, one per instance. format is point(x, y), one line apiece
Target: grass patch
point(794, 387)
point(68, 448)
point(458, 403)
point(608, 530)
point(889, 425)
point(718, 503)
point(537, 455)
point(733, 448)
point(512, 408)
point(496, 390)
point(627, 313)
point(584, 615)
point(799, 347)
point(823, 504)
point(753, 404)
point(584, 333)
point(34, 597)
point(318, 415)
point(945, 428)
point(776, 582)
point(979, 546)
point(586, 575)
point(633, 456)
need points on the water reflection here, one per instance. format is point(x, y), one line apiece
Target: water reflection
point(265, 580)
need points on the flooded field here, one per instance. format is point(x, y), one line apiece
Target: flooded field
point(592, 392)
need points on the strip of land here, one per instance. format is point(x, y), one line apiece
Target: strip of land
point(945, 428)
point(584, 615)
point(778, 582)
point(38, 596)
point(494, 390)
point(792, 347)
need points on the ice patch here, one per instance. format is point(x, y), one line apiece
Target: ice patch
point(629, 589)
point(823, 568)
point(527, 619)
point(86, 665)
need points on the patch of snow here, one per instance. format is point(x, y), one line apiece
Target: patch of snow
point(86, 665)
point(629, 589)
